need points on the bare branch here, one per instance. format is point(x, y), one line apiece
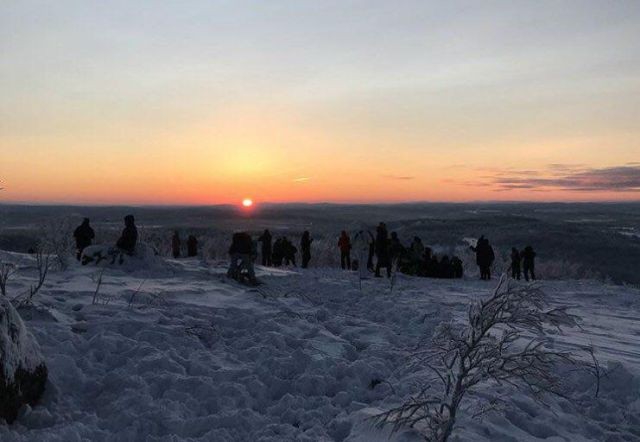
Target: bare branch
point(98, 285)
point(133, 295)
point(490, 347)
point(6, 272)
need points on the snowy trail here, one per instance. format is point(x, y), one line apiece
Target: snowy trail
point(306, 356)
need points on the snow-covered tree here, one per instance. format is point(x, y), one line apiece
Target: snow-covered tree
point(491, 347)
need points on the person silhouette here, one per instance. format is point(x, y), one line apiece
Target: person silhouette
point(289, 252)
point(266, 248)
point(305, 248)
point(515, 263)
point(84, 236)
point(192, 246)
point(382, 250)
point(484, 257)
point(344, 244)
point(129, 238)
point(528, 263)
point(175, 245)
point(240, 254)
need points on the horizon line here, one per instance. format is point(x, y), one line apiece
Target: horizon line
point(315, 203)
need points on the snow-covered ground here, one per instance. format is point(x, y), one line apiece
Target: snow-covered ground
point(309, 355)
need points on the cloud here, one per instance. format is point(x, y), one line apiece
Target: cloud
point(302, 179)
point(572, 177)
point(399, 177)
point(559, 167)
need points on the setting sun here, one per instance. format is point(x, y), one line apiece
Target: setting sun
point(247, 202)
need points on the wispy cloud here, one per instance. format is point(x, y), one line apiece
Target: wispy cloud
point(571, 177)
point(399, 177)
point(302, 179)
point(565, 168)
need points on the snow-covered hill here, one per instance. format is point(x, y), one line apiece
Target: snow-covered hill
point(179, 352)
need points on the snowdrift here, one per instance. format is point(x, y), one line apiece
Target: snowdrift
point(307, 356)
point(145, 257)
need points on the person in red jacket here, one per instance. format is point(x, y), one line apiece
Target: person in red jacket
point(344, 243)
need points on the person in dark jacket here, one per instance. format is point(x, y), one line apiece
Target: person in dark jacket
point(484, 257)
point(456, 265)
point(396, 249)
point(278, 253)
point(413, 259)
point(417, 249)
point(129, 238)
point(240, 253)
point(364, 245)
point(425, 260)
point(192, 246)
point(515, 263)
point(487, 259)
point(84, 236)
point(344, 244)
point(372, 253)
point(490, 257)
point(382, 250)
point(433, 267)
point(266, 248)
point(305, 248)
point(528, 263)
point(289, 252)
point(175, 245)
point(445, 270)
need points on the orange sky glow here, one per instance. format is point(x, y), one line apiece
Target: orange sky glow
point(291, 104)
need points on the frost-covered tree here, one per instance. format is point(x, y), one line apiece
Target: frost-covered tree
point(491, 347)
point(57, 241)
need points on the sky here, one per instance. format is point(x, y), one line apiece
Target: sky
point(210, 102)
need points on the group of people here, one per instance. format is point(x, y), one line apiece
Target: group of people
point(417, 259)
point(176, 245)
point(523, 262)
point(126, 243)
point(282, 251)
point(243, 252)
point(84, 236)
point(388, 251)
point(420, 260)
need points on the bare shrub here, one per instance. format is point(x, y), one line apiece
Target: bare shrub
point(6, 271)
point(594, 368)
point(148, 299)
point(136, 293)
point(98, 280)
point(57, 240)
point(491, 347)
point(42, 265)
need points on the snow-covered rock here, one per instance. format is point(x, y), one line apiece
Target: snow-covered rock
point(23, 373)
point(145, 257)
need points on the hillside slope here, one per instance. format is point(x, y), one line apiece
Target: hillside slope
point(178, 352)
